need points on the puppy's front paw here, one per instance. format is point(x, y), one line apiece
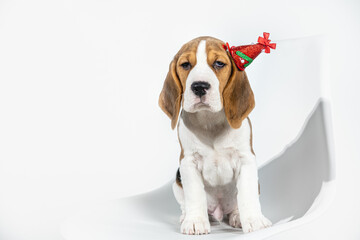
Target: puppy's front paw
point(254, 222)
point(195, 225)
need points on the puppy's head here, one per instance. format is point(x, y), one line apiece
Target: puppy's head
point(203, 77)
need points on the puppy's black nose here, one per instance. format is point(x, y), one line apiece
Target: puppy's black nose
point(200, 88)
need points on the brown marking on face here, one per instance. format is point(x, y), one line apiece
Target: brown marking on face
point(175, 82)
point(251, 136)
point(216, 52)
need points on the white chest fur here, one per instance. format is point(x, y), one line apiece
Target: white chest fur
point(219, 167)
point(217, 149)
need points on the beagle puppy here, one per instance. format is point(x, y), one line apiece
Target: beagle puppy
point(218, 175)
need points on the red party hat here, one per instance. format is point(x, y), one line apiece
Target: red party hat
point(245, 54)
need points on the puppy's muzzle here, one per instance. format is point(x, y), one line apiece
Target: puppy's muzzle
point(199, 88)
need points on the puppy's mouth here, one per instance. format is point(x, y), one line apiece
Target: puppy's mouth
point(201, 105)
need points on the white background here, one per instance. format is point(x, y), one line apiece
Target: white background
point(79, 83)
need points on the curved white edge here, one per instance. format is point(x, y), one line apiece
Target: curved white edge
point(326, 111)
point(319, 206)
point(328, 116)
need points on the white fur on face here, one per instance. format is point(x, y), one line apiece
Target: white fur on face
point(202, 72)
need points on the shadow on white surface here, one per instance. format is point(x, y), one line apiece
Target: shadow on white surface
point(296, 186)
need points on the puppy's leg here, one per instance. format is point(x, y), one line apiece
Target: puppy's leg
point(251, 217)
point(196, 220)
point(179, 196)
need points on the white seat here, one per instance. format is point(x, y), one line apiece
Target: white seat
point(296, 171)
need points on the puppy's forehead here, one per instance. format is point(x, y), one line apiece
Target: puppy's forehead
point(192, 46)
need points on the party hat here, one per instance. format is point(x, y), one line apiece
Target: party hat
point(244, 55)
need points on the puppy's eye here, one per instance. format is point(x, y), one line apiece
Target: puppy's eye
point(218, 65)
point(186, 65)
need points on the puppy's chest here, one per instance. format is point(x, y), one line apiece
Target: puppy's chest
point(217, 150)
point(219, 166)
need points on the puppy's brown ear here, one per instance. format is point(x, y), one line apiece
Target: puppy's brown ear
point(238, 97)
point(170, 96)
